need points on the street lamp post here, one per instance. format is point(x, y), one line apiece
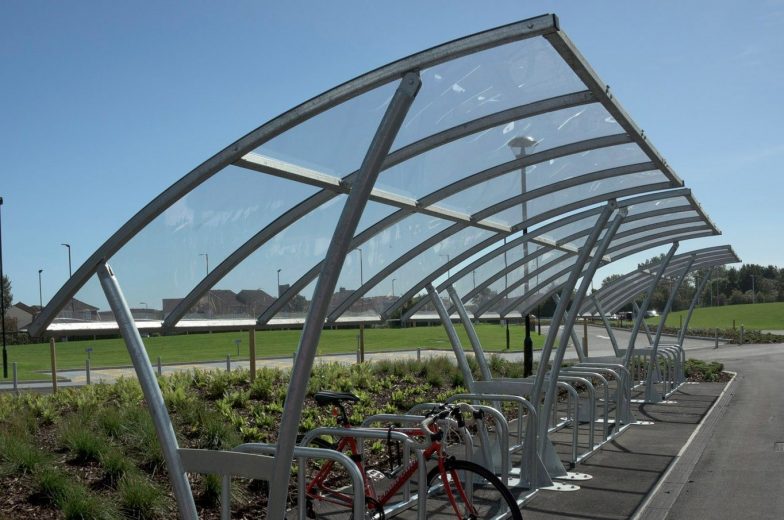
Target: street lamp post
point(393, 287)
point(69, 259)
point(279, 270)
point(70, 273)
point(448, 270)
point(40, 292)
point(2, 297)
point(361, 277)
point(753, 290)
point(206, 262)
point(519, 145)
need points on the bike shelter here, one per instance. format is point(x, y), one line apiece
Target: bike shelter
point(501, 153)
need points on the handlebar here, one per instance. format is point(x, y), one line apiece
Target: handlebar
point(448, 411)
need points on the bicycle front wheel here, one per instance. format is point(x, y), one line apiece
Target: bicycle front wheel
point(468, 490)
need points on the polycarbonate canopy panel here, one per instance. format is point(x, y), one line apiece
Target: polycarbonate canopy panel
point(649, 219)
point(619, 292)
point(510, 130)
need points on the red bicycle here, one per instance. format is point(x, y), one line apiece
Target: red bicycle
point(455, 488)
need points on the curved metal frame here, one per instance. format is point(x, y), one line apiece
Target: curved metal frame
point(517, 31)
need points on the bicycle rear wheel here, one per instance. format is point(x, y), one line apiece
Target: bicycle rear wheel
point(470, 491)
point(332, 498)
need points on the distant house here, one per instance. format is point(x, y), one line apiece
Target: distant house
point(78, 311)
point(20, 315)
point(224, 303)
point(255, 301)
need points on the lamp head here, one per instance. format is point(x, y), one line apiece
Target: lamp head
point(520, 143)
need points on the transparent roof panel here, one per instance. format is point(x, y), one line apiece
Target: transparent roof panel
point(494, 119)
point(486, 82)
point(333, 142)
point(193, 236)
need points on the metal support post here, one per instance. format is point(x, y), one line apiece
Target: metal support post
point(53, 356)
point(585, 336)
point(607, 325)
point(325, 286)
point(647, 330)
point(252, 353)
point(87, 370)
point(479, 354)
point(228, 363)
point(451, 333)
point(649, 397)
point(152, 393)
point(641, 314)
point(16, 380)
point(528, 348)
point(160, 367)
point(694, 300)
point(361, 342)
point(571, 316)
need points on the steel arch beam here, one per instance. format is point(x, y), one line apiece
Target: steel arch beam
point(529, 160)
point(643, 245)
point(517, 31)
point(647, 197)
point(332, 187)
point(392, 267)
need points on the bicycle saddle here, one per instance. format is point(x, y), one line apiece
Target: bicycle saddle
point(324, 398)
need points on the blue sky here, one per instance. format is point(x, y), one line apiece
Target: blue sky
point(105, 104)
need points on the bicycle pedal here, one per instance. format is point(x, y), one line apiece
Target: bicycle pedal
point(375, 474)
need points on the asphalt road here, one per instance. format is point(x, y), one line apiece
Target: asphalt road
point(740, 473)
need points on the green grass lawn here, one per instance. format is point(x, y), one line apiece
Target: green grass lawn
point(31, 359)
point(760, 316)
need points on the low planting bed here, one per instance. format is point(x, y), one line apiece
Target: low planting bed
point(92, 452)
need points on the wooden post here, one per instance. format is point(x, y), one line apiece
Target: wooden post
point(585, 336)
point(252, 353)
point(53, 352)
point(361, 342)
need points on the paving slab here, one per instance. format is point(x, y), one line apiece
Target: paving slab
point(627, 469)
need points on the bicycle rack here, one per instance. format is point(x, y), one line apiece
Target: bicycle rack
point(373, 433)
point(301, 453)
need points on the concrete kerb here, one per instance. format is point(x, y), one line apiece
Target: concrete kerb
point(660, 500)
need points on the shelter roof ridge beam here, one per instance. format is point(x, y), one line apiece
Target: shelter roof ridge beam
point(517, 31)
point(564, 46)
point(275, 167)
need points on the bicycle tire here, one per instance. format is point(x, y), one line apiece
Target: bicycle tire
point(489, 497)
